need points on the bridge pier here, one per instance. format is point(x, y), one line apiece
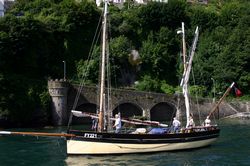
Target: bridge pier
point(146, 113)
point(58, 90)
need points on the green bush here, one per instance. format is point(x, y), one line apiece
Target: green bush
point(166, 88)
point(148, 84)
point(196, 90)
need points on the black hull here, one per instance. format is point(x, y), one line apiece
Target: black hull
point(144, 138)
point(111, 143)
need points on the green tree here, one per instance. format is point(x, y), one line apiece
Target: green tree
point(158, 55)
point(205, 19)
point(148, 84)
point(166, 88)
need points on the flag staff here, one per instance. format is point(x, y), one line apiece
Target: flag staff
point(221, 99)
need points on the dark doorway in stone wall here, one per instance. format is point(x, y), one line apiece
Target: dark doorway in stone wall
point(162, 112)
point(128, 110)
point(87, 107)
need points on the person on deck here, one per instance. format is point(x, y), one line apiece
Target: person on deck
point(118, 124)
point(191, 122)
point(207, 122)
point(176, 125)
point(94, 124)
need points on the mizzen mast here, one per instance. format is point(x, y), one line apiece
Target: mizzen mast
point(187, 70)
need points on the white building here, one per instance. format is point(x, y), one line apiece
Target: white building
point(164, 1)
point(4, 5)
point(98, 2)
point(1, 8)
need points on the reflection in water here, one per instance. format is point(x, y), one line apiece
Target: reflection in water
point(109, 160)
point(159, 159)
point(84, 160)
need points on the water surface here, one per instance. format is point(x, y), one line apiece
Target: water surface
point(232, 148)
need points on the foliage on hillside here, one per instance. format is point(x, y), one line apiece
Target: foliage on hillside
point(37, 35)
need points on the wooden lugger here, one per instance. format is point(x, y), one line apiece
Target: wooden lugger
point(112, 143)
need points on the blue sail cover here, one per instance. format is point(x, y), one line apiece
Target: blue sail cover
point(158, 130)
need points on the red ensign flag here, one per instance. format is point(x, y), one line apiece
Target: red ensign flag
point(237, 92)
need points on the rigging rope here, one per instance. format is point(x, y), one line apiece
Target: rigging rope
point(196, 97)
point(85, 71)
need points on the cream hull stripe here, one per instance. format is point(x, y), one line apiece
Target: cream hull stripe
point(85, 147)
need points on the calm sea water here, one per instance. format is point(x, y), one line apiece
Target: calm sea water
point(232, 148)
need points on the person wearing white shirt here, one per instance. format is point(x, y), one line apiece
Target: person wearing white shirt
point(176, 125)
point(207, 122)
point(118, 124)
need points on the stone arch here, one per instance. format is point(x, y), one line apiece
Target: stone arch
point(162, 112)
point(128, 110)
point(86, 107)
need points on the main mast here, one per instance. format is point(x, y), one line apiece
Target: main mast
point(102, 83)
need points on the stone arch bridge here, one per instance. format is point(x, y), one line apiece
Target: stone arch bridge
point(154, 106)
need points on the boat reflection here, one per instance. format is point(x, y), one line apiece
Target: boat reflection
point(110, 160)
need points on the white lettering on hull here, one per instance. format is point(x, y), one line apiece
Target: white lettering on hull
point(90, 135)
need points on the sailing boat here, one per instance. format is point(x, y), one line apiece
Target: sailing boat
point(103, 141)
